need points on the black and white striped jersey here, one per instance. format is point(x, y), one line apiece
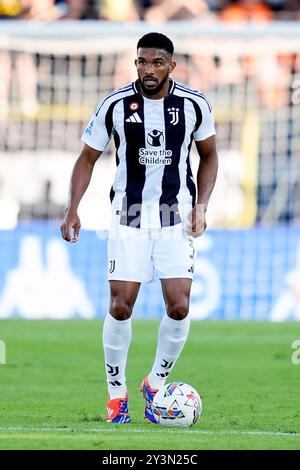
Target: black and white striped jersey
point(153, 185)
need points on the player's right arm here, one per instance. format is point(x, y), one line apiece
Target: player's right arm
point(95, 138)
point(80, 179)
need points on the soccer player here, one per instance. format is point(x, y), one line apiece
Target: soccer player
point(157, 210)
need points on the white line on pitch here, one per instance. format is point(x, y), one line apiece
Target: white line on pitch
point(152, 431)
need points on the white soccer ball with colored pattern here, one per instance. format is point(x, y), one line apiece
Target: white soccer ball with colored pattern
point(176, 404)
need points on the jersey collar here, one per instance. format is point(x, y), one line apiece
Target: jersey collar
point(171, 87)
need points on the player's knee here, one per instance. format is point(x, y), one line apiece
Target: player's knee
point(178, 310)
point(120, 309)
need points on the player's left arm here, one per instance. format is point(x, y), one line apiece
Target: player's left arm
point(206, 178)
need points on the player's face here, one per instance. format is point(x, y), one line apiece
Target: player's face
point(154, 67)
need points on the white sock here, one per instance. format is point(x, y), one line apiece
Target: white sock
point(172, 335)
point(116, 341)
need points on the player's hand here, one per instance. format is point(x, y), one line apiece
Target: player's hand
point(70, 227)
point(196, 221)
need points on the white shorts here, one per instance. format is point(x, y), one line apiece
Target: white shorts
point(144, 255)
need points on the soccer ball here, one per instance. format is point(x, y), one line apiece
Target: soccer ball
point(176, 404)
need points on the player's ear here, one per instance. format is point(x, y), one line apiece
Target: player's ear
point(135, 62)
point(172, 66)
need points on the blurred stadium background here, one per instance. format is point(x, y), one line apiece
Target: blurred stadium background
point(58, 59)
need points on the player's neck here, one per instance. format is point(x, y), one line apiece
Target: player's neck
point(158, 96)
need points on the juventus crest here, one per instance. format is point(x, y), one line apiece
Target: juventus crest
point(174, 113)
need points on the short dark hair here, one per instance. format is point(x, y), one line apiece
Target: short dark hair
point(157, 41)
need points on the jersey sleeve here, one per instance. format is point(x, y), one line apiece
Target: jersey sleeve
point(97, 134)
point(207, 127)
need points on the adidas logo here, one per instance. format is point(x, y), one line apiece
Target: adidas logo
point(134, 118)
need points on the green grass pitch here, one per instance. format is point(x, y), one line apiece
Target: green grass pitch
point(53, 391)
